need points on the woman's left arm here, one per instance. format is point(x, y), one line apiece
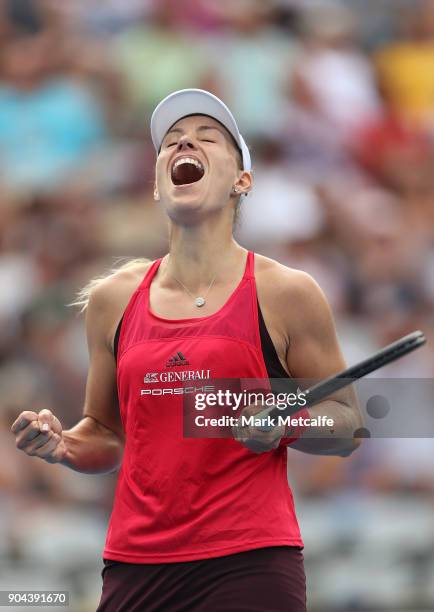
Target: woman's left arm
point(313, 355)
point(305, 324)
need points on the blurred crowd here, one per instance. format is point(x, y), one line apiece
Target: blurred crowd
point(336, 102)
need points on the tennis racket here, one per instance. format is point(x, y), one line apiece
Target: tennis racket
point(324, 388)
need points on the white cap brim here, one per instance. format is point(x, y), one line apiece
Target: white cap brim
point(195, 102)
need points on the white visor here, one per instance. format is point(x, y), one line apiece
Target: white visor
point(195, 102)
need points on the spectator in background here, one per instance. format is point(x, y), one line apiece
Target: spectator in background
point(25, 15)
point(333, 80)
point(406, 67)
point(197, 15)
point(255, 78)
point(101, 18)
point(156, 57)
point(400, 156)
point(49, 123)
point(293, 213)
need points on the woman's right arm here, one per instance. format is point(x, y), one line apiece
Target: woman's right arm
point(95, 444)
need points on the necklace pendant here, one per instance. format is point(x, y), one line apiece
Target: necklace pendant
point(199, 301)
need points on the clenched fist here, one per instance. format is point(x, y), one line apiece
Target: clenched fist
point(40, 435)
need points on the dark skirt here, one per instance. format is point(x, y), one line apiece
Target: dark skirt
point(260, 580)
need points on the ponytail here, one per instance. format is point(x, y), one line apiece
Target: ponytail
point(82, 297)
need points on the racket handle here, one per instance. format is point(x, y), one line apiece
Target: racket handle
point(268, 413)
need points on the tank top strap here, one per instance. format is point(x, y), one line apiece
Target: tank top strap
point(250, 266)
point(146, 282)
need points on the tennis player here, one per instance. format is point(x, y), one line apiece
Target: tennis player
point(197, 524)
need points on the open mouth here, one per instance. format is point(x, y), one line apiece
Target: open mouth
point(187, 170)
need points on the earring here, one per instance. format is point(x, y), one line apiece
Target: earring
point(235, 189)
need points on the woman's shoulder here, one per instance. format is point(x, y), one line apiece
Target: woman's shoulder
point(105, 298)
point(293, 293)
point(279, 278)
point(283, 294)
point(119, 285)
point(131, 272)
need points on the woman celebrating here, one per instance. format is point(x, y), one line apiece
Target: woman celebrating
point(197, 524)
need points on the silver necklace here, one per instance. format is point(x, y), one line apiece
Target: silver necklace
point(199, 300)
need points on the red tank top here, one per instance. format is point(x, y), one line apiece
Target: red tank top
point(181, 499)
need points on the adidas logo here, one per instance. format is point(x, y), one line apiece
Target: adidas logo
point(177, 360)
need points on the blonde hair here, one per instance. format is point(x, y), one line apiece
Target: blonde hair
point(83, 295)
